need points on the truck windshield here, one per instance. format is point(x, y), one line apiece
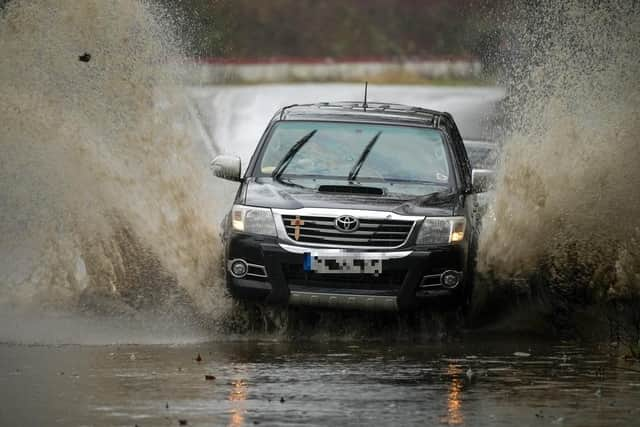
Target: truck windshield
point(356, 151)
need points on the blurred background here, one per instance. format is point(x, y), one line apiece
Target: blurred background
point(392, 41)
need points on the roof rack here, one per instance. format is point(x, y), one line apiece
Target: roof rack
point(382, 109)
point(285, 108)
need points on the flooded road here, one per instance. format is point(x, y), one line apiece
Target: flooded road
point(483, 381)
point(109, 210)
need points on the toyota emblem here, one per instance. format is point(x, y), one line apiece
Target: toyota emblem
point(347, 223)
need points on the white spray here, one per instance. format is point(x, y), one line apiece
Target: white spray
point(102, 188)
point(568, 193)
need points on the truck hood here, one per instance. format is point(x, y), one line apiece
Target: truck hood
point(265, 192)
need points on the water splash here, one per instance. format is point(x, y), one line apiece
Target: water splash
point(103, 191)
point(567, 198)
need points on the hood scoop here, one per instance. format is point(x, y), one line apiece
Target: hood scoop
point(351, 189)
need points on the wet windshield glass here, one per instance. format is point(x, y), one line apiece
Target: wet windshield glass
point(379, 153)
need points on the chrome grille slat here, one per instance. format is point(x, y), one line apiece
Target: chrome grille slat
point(348, 239)
point(364, 223)
point(387, 233)
point(320, 231)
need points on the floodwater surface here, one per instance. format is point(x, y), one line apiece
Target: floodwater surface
point(480, 382)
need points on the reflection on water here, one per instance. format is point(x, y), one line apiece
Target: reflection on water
point(484, 385)
point(238, 397)
point(454, 396)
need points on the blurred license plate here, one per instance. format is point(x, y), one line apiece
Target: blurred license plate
point(343, 264)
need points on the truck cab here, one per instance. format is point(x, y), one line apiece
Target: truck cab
point(353, 206)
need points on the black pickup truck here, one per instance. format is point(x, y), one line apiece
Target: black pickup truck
point(351, 205)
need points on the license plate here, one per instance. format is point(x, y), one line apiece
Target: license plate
point(343, 264)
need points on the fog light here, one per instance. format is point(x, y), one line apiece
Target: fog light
point(450, 279)
point(238, 268)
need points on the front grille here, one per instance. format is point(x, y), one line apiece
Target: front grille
point(387, 233)
point(386, 281)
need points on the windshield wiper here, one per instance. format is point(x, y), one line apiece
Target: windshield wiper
point(365, 153)
point(282, 165)
point(290, 183)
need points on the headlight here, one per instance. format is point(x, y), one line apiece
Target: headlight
point(441, 231)
point(253, 220)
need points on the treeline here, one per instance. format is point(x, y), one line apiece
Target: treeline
point(333, 28)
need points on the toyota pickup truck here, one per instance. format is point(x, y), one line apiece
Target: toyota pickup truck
point(353, 206)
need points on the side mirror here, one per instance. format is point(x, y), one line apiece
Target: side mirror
point(482, 180)
point(226, 167)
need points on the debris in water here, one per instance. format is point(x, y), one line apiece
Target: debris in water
point(166, 405)
point(85, 57)
point(470, 374)
point(132, 357)
point(209, 377)
point(183, 422)
point(198, 358)
point(521, 354)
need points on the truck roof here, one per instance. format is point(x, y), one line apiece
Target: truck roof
point(377, 112)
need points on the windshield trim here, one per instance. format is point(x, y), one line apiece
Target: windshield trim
point(361, 179)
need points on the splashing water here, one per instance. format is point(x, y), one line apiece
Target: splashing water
point(567, 197)
point(106, 202)
point(103, 193)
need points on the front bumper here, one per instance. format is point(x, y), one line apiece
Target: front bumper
point(409, 278)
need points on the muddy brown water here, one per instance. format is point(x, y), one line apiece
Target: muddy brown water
point(481, 381)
